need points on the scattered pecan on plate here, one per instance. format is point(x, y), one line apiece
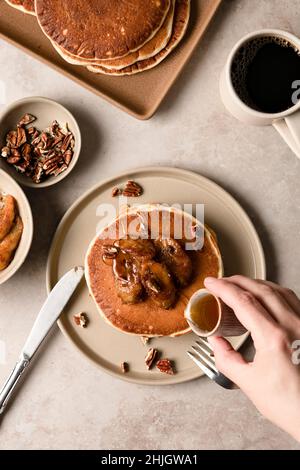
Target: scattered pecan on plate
point(165, 366)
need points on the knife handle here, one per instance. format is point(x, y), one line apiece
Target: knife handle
point(12, 381)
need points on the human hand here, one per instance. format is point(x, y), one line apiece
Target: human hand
point(272, 315)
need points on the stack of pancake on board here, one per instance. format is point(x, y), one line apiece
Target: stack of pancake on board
point(113, 37)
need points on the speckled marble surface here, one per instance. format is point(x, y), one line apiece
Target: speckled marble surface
point(65, 402)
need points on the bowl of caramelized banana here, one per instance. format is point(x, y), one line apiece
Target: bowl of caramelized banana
point(16, 227)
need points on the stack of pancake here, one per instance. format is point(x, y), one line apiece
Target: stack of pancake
point(113, 37)
point(147, 317)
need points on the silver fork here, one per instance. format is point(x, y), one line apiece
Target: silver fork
point(203, 356)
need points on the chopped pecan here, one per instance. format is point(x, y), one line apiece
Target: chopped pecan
point(15, 153)
point(64, 129)
point(13, 159)
point(54, 127)
point(165, 366)
point(110, 251)
point(36, 137)
point(60, 170)
point(21, 167)
point(132, 189)
point(116, 192)
point(51, 169)
point(150, 357)
point(81, 319)
point(66, 143)
point(124, 367)
point(26, 152)
point(21, 136)
point(58, 140)
point(5, 152)
point(26, 119)
point(145, 340)
point(11, 139)
point(31, 131)
point(45, 141)
point(52, 160)
point(68, 157)
point(37, 175)
point(37, 153)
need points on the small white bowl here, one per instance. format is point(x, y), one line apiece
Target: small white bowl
point(46, 111)
point(9, 186)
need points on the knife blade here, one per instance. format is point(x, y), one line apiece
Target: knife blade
point(48, 315)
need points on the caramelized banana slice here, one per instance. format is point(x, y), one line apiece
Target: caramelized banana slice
point(7, 214)
point(10, 243)
point(127, 279)
point(139, 248)
point(177, 261)
point(158, 284)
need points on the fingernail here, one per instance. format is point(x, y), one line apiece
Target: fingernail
point(209, 280)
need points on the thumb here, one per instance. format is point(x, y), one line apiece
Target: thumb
point(228, 361)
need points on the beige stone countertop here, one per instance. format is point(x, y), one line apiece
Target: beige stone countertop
point(66, 402)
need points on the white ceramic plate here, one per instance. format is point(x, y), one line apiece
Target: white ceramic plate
point(9, 186)
point(106, 347)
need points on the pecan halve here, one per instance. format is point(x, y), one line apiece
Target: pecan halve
point(81, 319)
point(26, 119)
point(31, 130)
point(36, 137)
point(38, 173)
point(54, 127)
point(15, 152)
point(53, 160)
point(124, 367)
point(11, 139)
point(132, 189)
point(66, 143)
point(26, 152)
point(110, 251)
point(150, 357)
point(21, 136)
point(21, 167)
point(60, 170)
point(116, 192)
point(5, 152)
point(13, 159)
point(165, 366)
point(68, 155)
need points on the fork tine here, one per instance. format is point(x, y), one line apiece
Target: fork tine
point(203, 367)
point(203, 341)
point(204, 357)
point(203, 348)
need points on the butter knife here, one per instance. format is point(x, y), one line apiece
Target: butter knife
point(49, 313)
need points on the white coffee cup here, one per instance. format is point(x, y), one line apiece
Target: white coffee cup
point(287, 123)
